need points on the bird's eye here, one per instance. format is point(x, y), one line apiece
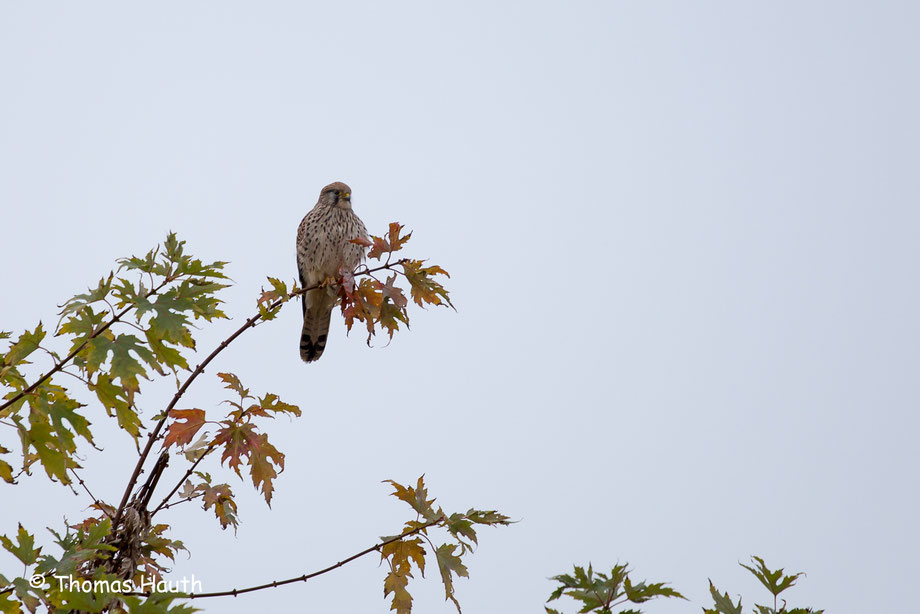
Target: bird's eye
point(336, 192)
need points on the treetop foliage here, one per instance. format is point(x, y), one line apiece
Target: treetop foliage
point(136, 324)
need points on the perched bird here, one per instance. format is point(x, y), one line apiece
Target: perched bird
point(323, 246)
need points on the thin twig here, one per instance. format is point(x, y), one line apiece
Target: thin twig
point(66, 372)
point(376, 547)
point(163, 504)
point(99, 505)
point(175, 503)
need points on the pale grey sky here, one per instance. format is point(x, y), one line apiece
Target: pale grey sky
point(683, 241)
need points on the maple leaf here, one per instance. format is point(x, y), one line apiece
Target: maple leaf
point(361, 241)
point(391, 316)
point(81, 300)
point(379, 248)
point(403, 551)
point(279, 292)
point(115, 398)
point(232, 382)
point(6, 471)
point(396, 583)
point(396, 242)
point(262, 456)
point(198, 449)
point(394, 293)
point(238, 441)
point(220, 497)
point(53, 424)
point(347, 287)
point(416, 497)
point(170, 322)
point(424, 288)
point(186, 423)
point(450, 564)
point(24, 549)
point(27, 343)
point(271, 404)
point(241, 440)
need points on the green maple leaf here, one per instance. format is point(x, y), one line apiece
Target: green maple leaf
point(775, 581)
point(450, 564)
point(59, 408)
point(642, 592)
point(279, 291)
point(48, 449)
point(24, 548)
point(27, 343)
point(98, 293)
point(53, 424)
point(127, 294)
point(722, 602)
point(115, 398)
point(166, 355)
point(459, 525)
point(170, 324)
point(147, 264)
point(126, 367)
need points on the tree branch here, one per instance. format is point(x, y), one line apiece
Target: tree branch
point(276, 583)
point(174, 503)
point(249, 323)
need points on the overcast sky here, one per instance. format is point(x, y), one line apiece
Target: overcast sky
point(683, 246)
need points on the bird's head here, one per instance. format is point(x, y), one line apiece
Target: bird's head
point(336, 195)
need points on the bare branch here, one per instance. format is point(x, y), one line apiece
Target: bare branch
point(276, 583)
point(174, 503)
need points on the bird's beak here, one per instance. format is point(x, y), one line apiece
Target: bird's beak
point(347, 196)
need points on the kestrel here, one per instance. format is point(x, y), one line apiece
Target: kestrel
point(323, 247)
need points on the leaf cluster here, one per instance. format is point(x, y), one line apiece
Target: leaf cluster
point(775, 581)
point(83, 548)
point(239, 437)
point(130, 326)
point(383, 304)
point(601, 592)
point(401, 555)
point(136, 324)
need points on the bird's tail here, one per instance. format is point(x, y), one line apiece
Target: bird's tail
point(316, 316)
